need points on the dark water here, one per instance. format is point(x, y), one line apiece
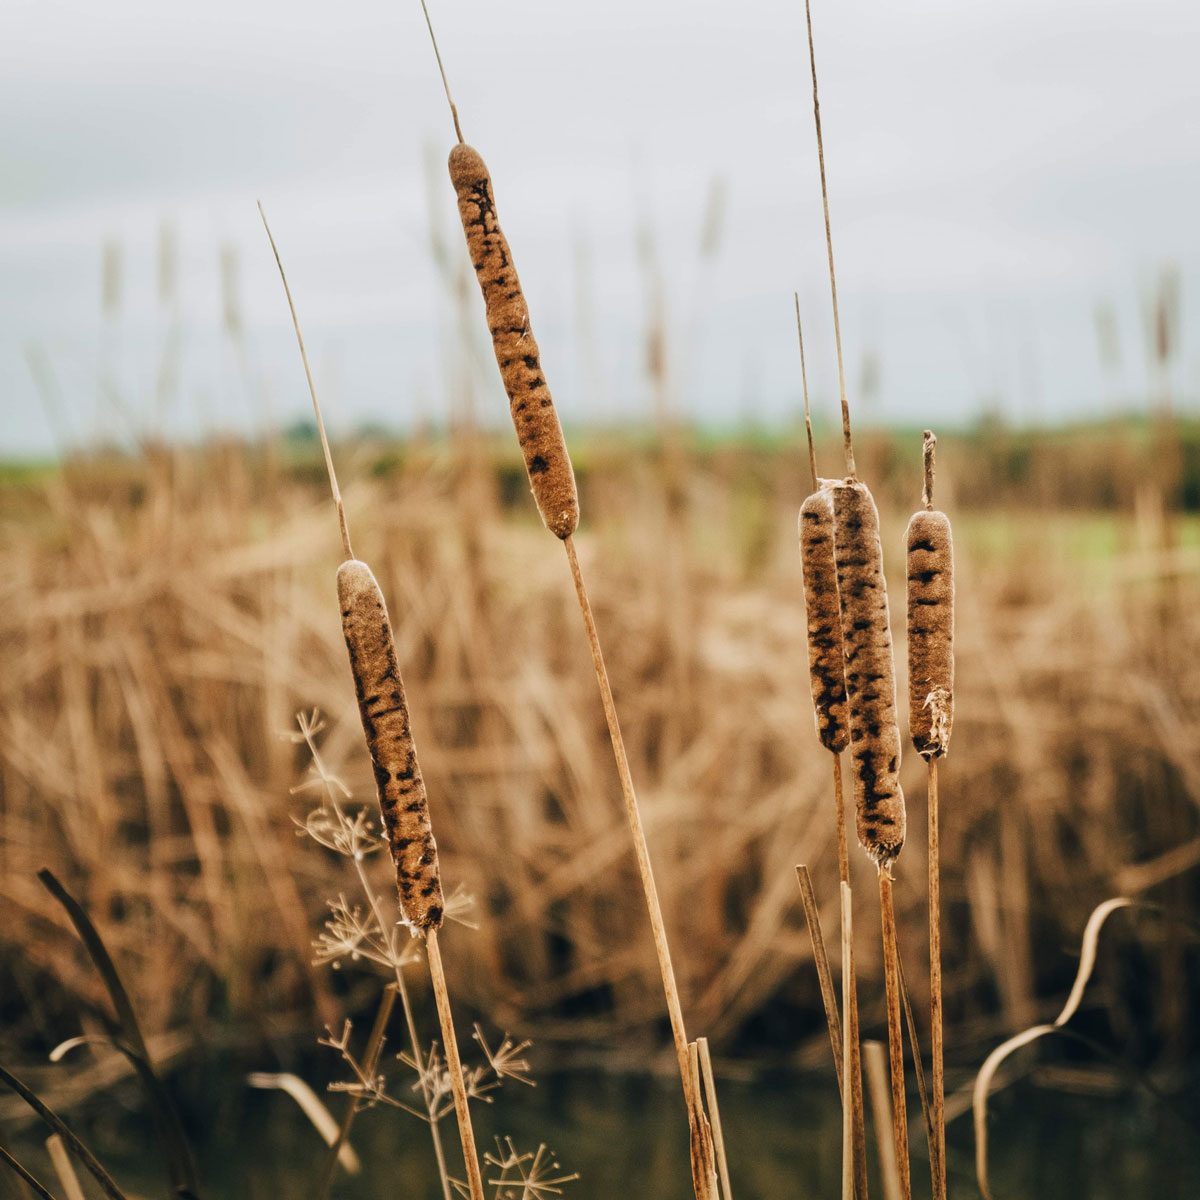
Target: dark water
point(626, 1136)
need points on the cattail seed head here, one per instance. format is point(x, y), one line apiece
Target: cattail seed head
point(930, 632)
point(538, 430)
point(826, 664)
point(384, 711)
point(870, 672)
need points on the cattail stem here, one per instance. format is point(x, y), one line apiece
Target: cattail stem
point(853, 1054)
point(312, 391)
point(937, 1167)
point(442, 71)
point(633, 814)
point(837, 325)
point(410, 1023)
point(891, 976)
point(928, 454)
point(812, 453)
point(849, 1136)
point(441, 995)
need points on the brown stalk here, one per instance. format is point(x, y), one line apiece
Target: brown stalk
point(891, 976)
point(824, 975)
point(441, 995)
point(935, 991)
point(881, 1111)
point(849, 1132)
point(714, 1111)
point(837, 325)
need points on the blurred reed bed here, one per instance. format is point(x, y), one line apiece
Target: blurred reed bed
point(165, 616)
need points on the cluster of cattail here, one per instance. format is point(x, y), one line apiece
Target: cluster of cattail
point(853, 680)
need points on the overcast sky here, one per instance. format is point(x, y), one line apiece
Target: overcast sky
point(997, 171)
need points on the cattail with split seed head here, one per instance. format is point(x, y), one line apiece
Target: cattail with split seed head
point(538, 430)
point(930, 622)
point(870, 672)
point(826, 664)
point(384, 712)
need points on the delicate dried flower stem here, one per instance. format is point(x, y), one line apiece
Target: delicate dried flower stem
point(370, 1066)
point(441, 997)
point(891, 975)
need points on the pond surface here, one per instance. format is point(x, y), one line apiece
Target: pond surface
point(626, 1136)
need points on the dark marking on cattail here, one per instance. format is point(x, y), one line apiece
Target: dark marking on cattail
point(930, 632)
point(401, 789)
point(538, 430)
point(826, 666)
point(870, 672)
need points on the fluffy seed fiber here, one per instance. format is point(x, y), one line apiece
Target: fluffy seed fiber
point(930, 632)
point(384, 712)
point(870, 672)
point(538, 430)
point(827, 670)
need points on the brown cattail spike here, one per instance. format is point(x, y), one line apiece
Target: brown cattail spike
point(384, 712)
point(533, 413)
point(870, 672)
point(826, 664)
point(930, 622)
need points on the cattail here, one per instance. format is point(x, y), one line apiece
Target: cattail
point(870, 672)
point(826, 665)
point(930, 622)
point(384, 712)
point(538, 430)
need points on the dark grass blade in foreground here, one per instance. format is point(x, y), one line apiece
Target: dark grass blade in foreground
point(178, 1154)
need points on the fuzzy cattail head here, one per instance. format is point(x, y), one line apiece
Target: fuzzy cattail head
point(384, 711)
point(870, 672)
point(551, 476)
point(930, 622)
point(826, 666)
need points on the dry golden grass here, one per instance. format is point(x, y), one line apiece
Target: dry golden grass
point(163, 620)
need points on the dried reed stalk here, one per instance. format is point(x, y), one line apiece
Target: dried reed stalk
point(827, 679)
point(849, 1132)
point(714, 1111)
point(383, 709)
point(824, 975)
point(552, 481)
point(891, 973)
point(881, 1108)
point(931, 716)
